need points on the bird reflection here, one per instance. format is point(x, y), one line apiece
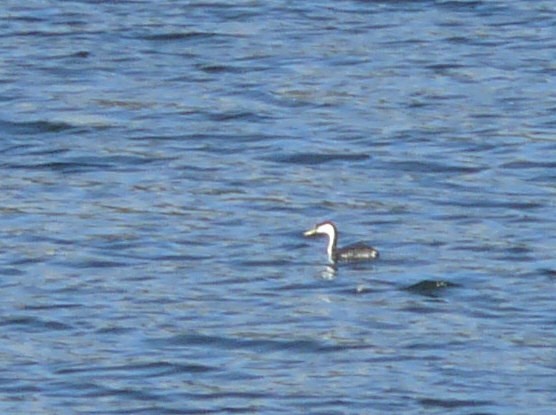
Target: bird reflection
point(328, 272)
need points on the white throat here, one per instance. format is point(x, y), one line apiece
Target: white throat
point(328, 230)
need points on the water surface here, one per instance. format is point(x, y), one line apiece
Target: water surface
point(159, 165)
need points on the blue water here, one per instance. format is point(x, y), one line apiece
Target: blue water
point(160, 161)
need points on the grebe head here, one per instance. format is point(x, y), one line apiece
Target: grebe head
point(329, 229)
point(324, 228)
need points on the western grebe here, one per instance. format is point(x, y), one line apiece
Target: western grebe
point(356, 252)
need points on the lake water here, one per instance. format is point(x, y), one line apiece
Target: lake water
point(160, 161)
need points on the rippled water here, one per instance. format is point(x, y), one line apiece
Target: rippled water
point(160, 161)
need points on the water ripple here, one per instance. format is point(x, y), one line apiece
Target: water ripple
point(258, 345)
point(33, 324)
point(316, 158)
point(34, 127)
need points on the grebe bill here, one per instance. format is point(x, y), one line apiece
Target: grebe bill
point(349, 253)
